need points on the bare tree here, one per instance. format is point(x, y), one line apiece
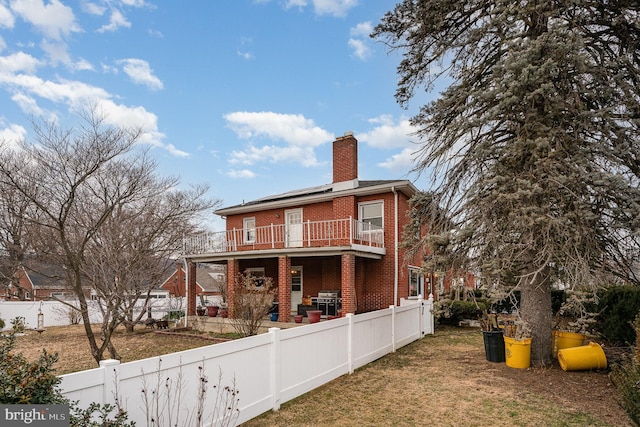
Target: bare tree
point(91, 189)
point(252, 299)
point(14, 242)
point(535, 142)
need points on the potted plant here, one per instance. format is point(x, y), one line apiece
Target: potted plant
point(493, 337)
point(224, 310)
point(201, 311)
point(517, 343)
point(212, 310)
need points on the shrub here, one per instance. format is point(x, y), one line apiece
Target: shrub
point(452, 312)
point(617, 308)
point(625, 376)
point(22, 381)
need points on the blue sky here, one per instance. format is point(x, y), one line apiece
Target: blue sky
point(245, 95)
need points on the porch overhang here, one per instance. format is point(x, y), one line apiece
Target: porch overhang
point(362, 251)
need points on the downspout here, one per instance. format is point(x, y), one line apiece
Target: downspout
point(186, 291)
point(395, 246)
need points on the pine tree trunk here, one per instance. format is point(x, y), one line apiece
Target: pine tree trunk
point(535, 309)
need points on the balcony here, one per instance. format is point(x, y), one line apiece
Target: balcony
point(350, 233)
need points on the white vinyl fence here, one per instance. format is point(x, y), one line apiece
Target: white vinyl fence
point(266, 370)
point(57, 313)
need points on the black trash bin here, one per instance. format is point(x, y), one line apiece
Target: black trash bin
point(493, 346)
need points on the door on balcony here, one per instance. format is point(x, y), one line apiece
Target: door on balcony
point(296, 288)
point(293, 228)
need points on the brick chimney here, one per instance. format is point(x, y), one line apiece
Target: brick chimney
point(345, 162)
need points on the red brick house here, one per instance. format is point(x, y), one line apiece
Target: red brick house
point(342, 237)
point(209, 279)
point(38, 282)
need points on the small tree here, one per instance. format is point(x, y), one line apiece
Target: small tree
point(252, 299)
point(97, 210)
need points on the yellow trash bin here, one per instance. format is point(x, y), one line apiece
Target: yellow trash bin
point(517, 352)
point(564, 339)
point(590, 356)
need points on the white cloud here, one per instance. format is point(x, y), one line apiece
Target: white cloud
point(245, 55)
point(242, 173)
point(82, 65)
point(54, 19)
point(7, 19)
point(134, 117)
point(363, 29)
point(27, 104)
point(338, 8)
point(357, 43)
point(300, 4)
point(299, 134)
point(334, 7)
point(387, 133)
point(360, 49)
point(12, 135)
point(294, 129)
point(93, 8)
point(271, 153)
point(403, 161)
point(140, 72)
point(57, 52)
point(17, 62)
point(134, 3)
point(117, 20)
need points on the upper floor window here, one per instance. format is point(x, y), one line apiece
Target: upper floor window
point(249, 226)
point(371, 213)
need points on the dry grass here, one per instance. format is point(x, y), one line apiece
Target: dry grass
point(444, 380)
point(441, 380)
point(72, 346)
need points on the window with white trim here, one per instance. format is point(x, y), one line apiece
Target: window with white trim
point(371, 213)
point(416, 282)
point(249, 227)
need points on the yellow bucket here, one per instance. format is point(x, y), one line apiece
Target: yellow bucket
point(517, 352)
point(590, 356)
point(563, 339)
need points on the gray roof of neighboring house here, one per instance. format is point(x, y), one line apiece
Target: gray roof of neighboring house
point(45, 276)
point(210, 277)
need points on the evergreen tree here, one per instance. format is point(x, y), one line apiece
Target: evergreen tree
point(534, 143)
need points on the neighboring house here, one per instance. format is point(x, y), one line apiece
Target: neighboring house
point(39, 281)
point(342, 237)
point(209, 280)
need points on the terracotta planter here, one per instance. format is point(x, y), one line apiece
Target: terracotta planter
point(212, 310)
point(298, 318)
point(314, 316)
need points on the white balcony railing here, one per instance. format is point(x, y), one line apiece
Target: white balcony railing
point(339, 232)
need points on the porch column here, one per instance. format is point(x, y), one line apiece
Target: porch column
point(348, 276)
point(284, 288)
point(191, 288)
point(233, 268)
